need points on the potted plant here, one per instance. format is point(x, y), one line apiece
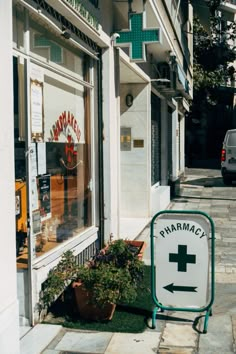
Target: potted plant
point(138, 246)
point(111, 277)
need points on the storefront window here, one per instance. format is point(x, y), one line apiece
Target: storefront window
point(65, 190)
point(60, 149)
point(64, 195)
point(52, 48)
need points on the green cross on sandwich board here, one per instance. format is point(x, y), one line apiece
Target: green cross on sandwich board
point(137, 36)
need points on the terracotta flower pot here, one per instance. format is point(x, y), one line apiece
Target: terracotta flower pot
point(88, 310)
point(141, 245)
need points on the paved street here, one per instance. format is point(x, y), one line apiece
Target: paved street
point(176, 332)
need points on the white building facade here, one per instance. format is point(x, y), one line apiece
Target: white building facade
point(94, 136)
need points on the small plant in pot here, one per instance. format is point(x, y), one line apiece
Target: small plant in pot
point(112, 277)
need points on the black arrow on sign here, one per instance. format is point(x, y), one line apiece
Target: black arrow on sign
point(171, 288)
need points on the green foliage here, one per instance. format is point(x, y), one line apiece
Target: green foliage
point(213, 57)
point(113, 275)
point(212, 54)
point(58, 279)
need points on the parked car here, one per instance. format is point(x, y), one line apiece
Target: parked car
point(228, 157)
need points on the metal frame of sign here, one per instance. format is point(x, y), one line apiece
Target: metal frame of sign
point(208, 307)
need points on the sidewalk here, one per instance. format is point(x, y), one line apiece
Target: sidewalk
point(175, 332)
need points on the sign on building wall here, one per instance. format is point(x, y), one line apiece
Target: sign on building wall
point(137, 36)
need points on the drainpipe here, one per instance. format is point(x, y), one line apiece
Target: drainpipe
point(100, 154)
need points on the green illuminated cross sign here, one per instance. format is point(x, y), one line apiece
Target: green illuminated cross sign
point(137, 37)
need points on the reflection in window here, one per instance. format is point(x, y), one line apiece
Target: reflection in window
point(64, 191)
point(64, 194)
point(53, 49)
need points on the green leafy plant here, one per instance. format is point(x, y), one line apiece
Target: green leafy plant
point(58, 279)
point(113, 275)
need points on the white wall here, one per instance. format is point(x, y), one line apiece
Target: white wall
point(9, 326)
point(111, 121)
point(135, 174)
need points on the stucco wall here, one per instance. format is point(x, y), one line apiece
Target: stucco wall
point(134, 173)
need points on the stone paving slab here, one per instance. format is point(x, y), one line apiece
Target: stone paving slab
point(178, 335)
point(38, 338)
point(85, 342)
point(218, 338)
point(130, 343)
point(225, 278)
point(177, 350)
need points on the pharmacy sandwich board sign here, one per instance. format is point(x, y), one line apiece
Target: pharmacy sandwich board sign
point(182, 259)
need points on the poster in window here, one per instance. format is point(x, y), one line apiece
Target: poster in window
point(45, 197)
point(36, 100)
point(33, 160)
point(41, 160)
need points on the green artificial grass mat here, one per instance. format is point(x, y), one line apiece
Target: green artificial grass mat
point(131, 318)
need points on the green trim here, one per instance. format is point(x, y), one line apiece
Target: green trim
point(206, 308)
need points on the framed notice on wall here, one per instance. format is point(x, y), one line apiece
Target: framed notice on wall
point(36, 102)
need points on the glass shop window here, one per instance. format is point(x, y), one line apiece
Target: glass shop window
point(60, 148)
point(61, 176)
point(64, 191)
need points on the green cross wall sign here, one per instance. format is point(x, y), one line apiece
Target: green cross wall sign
point(137, 36)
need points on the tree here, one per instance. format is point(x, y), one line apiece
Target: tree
point(213, 54)
point(213, 71)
